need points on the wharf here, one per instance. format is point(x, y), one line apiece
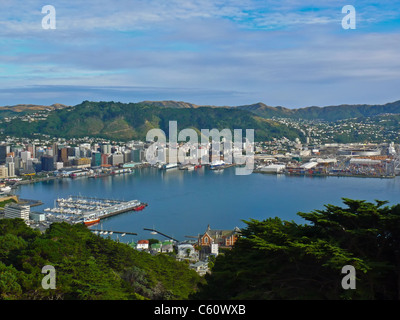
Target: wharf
point(115, 210)
point(111, 232)
point(80, 209)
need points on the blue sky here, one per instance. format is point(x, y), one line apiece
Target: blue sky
point(288, 53)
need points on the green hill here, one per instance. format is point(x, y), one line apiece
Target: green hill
point(328, 113)
point(126, 121)
point(88, 267)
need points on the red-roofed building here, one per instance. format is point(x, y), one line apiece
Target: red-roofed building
point(142, 245)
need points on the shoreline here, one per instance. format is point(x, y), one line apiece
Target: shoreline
point(50, 178)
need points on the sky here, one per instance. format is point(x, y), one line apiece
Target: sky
point(291, 53)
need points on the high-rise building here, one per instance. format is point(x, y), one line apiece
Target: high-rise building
point(25, 155)
point(116, 159)
point(106, 148)
point(4, 149)
point(136, 155)
point(96, 159)
point(127, 156)
point(11, 169)
point(48, 163)
point(3, 172)
point(63, 155)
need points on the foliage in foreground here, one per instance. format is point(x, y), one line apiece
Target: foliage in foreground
point(277, 259)
point(88, 267)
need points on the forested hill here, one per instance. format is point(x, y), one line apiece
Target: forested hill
point(126, 121)
point(328, 113)
point(87, 266)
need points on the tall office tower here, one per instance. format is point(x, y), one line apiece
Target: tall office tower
point(63, 155)
point(25, 155)
point(48, 163)
point(11, 169)
point(55, 151)
point(96, 159)
point(31, 148)
point(4, 149)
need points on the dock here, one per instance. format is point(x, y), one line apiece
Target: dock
point(115, 209)
point(79, 208)
point(112, 232)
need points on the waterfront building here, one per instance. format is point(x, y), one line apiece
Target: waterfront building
point(3, 172)
point(127, 156)
point(96, 159)
point(13, 210)
point(37, 216)
point(116, 159)
point(48, 163)
point(136, 155)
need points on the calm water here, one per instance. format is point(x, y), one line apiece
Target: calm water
point(183, 203)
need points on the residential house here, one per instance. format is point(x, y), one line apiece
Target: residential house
point(142, 245)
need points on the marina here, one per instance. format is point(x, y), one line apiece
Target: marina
point(90, 210)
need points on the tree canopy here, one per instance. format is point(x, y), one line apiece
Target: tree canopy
point(88, 267)
point(276, 259)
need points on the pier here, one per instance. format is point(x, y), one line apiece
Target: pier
point(110, 232)
point(79, 209)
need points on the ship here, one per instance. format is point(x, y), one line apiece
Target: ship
point(6, 189)
point(140, 207)
point(91, 220)
point(169, 166)
point(216, 164)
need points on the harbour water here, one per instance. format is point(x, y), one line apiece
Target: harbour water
point(182, 203)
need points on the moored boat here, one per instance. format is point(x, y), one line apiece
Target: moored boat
point(89, 221)
point(141, 206)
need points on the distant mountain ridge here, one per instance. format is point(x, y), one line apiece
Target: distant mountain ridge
point(126, 121)
point(327, 113)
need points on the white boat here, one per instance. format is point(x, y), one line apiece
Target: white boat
point(6, 189)
point(169, 166)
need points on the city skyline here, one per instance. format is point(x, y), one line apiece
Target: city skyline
point(292, 53)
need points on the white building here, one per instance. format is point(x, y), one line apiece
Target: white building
point(14, 210)
point(214, 249)
point(11, 169)
point(186, 251)
point(273, 168)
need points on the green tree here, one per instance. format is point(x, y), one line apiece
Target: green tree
point(275, 259)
